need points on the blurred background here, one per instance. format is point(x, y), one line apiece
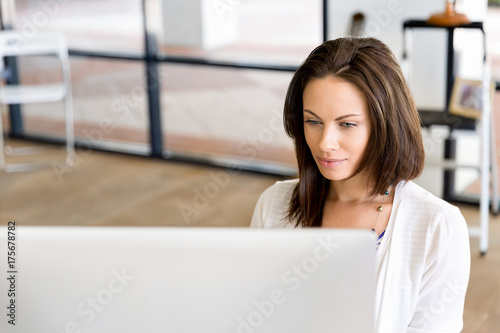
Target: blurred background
point(222, 69)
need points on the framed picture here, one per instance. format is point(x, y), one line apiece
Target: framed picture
point(467, 98)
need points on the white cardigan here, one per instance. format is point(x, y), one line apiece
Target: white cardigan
point(423, 262)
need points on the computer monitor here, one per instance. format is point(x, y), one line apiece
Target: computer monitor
point(174, 280)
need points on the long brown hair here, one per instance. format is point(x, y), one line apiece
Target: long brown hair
point(395, 150)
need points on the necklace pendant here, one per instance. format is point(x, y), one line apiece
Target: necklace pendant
point(380, 208)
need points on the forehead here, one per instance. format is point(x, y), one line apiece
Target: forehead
point(332, 95)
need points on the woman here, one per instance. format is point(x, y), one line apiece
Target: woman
point(358, 144)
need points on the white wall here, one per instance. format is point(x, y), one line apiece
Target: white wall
point(206, 24)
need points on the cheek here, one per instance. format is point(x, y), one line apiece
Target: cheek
point(362, 143)
point(354, 142)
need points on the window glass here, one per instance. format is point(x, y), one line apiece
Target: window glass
point(109, 97)
point(93, 25)
point(235, 113)
point(258, 31)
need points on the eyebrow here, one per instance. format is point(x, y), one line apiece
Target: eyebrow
point(336, 119)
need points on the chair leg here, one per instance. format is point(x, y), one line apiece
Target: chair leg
point(484, 202)
point(70, 135)
point(486, 161)
point(494, 168)
point(2, 147)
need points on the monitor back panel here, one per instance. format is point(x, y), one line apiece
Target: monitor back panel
point(174, 280)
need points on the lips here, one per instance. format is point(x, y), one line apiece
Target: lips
point(329, 163)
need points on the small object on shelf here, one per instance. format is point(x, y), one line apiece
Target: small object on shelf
point(467, 98)
point(449, 18)
point(357, 25)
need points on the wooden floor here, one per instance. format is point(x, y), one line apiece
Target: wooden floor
point(107, 189)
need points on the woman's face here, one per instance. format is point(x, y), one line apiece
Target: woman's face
point(336, 126)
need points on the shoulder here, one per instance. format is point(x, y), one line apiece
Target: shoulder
point(280, 190)
point(416, 199)
point(272, 206)
point(429, 220)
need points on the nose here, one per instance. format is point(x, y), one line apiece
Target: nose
point(329, 140)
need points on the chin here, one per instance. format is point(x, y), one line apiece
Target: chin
point(332, 175)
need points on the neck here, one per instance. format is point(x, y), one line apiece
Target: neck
point(356, 189)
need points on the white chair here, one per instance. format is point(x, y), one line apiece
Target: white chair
point(14, 44)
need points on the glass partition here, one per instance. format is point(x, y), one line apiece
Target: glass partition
point(109, 97)
point(228, 112)
point(276, 32)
